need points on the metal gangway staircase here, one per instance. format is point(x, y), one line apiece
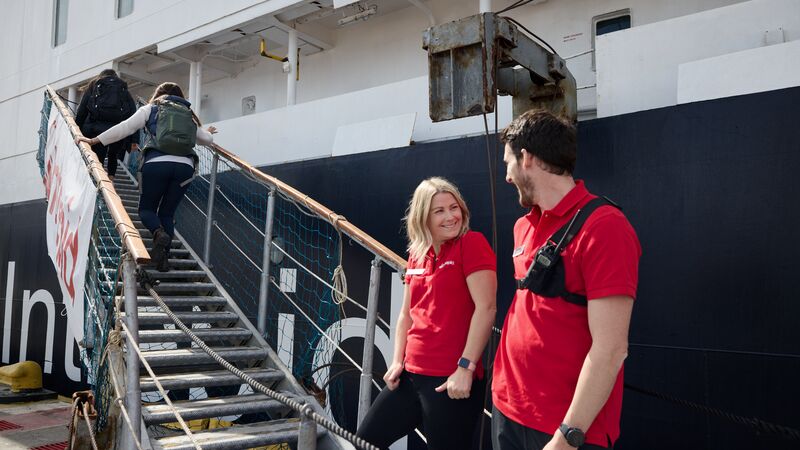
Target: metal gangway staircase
point(169, 350)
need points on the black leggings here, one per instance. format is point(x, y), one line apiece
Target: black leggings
point(111, 150)
point(446, 423)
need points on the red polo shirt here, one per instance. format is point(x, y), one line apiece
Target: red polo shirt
point(441, 306)
point(545, 340)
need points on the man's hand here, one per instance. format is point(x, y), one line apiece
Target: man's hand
point(558, 442)
point(392, 376)
point(458, 384)
point(134, 147)
point(212, 129)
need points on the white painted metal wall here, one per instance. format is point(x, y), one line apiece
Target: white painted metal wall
point(376, 69)
point(638, 69)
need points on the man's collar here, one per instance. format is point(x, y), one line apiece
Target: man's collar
point(571, 200)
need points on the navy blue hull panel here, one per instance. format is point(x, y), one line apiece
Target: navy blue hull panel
point(710, 188)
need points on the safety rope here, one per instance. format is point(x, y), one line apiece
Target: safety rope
point(88, 425)
point(750, 422)
point(161, 389)
point(755, 423)
point(120, 399)
point(305, 409)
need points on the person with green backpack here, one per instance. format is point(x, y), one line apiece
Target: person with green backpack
point(168, 162)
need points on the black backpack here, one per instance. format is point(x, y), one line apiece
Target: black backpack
point(109, 100)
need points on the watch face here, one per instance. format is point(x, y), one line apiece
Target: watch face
point(575, 437)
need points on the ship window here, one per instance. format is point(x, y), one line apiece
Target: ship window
point(60, 22)
point(609, 23)
point(124, 7)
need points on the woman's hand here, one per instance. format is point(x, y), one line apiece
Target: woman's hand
point(212, 129)
point(392, 376)
point(90, 141)
point(458, 384)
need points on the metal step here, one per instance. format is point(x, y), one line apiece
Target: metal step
point(209, 379)
point(212, 407)
point(206, 334)
point(148, 242)
point(195, 356)
point(173, 274)
point(183, 288)
point(201, 301)
point(238, 437)
point(150, 318)
point(129, 191)
point(175, 263)
point(179, 253)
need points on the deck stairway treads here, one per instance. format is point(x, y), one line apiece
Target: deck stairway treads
point(185, 370)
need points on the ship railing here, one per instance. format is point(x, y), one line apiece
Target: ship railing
point(280, 253)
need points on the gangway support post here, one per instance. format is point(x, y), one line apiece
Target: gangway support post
point(307, 437)
point(365, 388)
point(212, 189)
point(263, 295)
point(133, 397)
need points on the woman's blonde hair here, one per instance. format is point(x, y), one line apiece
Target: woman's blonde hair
point(419, 208)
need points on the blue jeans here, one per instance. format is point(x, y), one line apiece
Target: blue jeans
point(162, 193)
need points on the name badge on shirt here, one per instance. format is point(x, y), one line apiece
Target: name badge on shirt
point(518, 251)
point(418, 271)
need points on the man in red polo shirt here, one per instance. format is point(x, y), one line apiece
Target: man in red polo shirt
point(558, 370)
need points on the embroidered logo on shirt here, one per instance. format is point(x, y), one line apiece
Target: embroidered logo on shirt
point(418, 271)
point(518, 251)
point(447, 263)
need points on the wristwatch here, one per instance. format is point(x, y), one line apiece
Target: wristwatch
point(467, 364)
point(575, 437)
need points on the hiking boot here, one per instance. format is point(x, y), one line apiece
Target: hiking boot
point(163, 265)
point(161, 243)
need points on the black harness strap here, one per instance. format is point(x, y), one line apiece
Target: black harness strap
point(553, 283)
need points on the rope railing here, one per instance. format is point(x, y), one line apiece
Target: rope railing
point(122, 221)
point(113, 235)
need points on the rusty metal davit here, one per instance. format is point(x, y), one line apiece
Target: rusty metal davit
point(472, 60)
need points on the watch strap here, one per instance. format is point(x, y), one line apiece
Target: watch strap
point(467, 364)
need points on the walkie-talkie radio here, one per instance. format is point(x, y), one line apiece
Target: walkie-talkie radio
point(545, 275)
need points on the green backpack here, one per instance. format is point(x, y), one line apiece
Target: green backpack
point(171, 128)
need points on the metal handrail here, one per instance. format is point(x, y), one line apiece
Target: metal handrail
point(130, 236)
point(339, 222)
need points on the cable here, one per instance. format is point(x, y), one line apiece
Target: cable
point(514, 5)
point(531, 33)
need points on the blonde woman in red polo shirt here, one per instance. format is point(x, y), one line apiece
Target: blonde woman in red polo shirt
point(436, 378)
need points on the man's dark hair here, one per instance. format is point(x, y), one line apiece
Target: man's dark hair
point(545, 136)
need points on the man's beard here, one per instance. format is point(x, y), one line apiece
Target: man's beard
point(525, 190)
